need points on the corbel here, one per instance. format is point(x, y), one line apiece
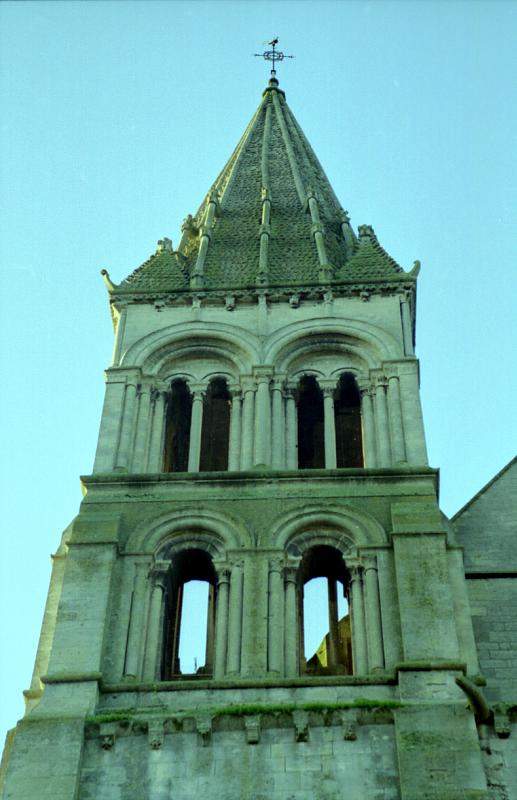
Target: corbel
point(204, 729)
point(107, 733)
point(155, 733)
point(252, 728)
point(502, 725)
point(301, 726)
point(349, 726)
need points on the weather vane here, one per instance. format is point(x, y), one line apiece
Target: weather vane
point(273, 55)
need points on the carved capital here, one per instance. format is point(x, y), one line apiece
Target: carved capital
point(223, 572)
point(328, 386)
point(276, 564)
point(369, 562)
point(235, 391)
point(198, 391)
point(248, 384)
point(263, 374)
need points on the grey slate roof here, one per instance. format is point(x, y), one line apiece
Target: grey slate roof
point(273, 153)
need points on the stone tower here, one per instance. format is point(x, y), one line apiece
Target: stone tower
point(261, 428)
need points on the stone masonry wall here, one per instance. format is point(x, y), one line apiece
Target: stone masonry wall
point(493, 604)
point(325, 766)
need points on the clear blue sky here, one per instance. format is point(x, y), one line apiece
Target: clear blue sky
point(117, 116)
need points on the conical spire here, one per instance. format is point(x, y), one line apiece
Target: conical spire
point(270, 218)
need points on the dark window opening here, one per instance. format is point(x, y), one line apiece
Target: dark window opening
point(324, 583)
point(215, 434)
point(189, 616)
point(311, 445)
point(347, 409)
point(177, 428)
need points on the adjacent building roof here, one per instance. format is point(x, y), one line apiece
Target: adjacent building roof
point(487, 525)
point(271, 217)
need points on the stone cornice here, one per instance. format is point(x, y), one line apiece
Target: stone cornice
point(274, 292)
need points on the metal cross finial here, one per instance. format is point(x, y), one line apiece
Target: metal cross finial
point(273, 55)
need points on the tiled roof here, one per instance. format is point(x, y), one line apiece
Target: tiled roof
point(273, 159)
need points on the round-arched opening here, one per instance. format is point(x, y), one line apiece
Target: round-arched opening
point(347, 411)
point(215, 434)
point(177, 427)
point(189, 618)
point(311, 444)
point(325, 629)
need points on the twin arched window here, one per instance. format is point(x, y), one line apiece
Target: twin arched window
point(215, 427)
point(346, 402)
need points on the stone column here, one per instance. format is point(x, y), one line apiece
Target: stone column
point(276, 617)
point(151, 660)
point(196, 422)
point(381, 424)
point(128, 426)
point(235, 619)
point(407, 328)
point(368, 424)
point(262, 417)
point(291, 622)
point(278, 427)
point(155, 459)
point(398, 446)
point(136, 621)
point(329, 388)
point(333, 640)
point(234, 453)
point(359, 651)
point(248, 414)
point(221, 624)
point(373, 616)
point(291, 437)
point(142, 428)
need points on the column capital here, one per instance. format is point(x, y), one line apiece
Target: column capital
point(291, 570)
point(279, 381)
point(222, 571)
point(157, 394)
point(276, 564)
point(380, 380)
point(198, 390)
point(369, 562)
point(248, 384)
point(263, 374)
point(355, 567)
point(364, 384)
point(290, 387)
point(158, 577)
point(235, 391)
point(328, 386)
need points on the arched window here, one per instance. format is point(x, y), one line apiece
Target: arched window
point(177, 428)
point(216, 427)
point(311, 445)
point(347, 410)
point(189, 617)
point(323, 591)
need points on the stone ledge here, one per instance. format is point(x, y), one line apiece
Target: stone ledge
point(260, 474)
point(379, 679)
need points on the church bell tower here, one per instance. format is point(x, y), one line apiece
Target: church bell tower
point(261, 428)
